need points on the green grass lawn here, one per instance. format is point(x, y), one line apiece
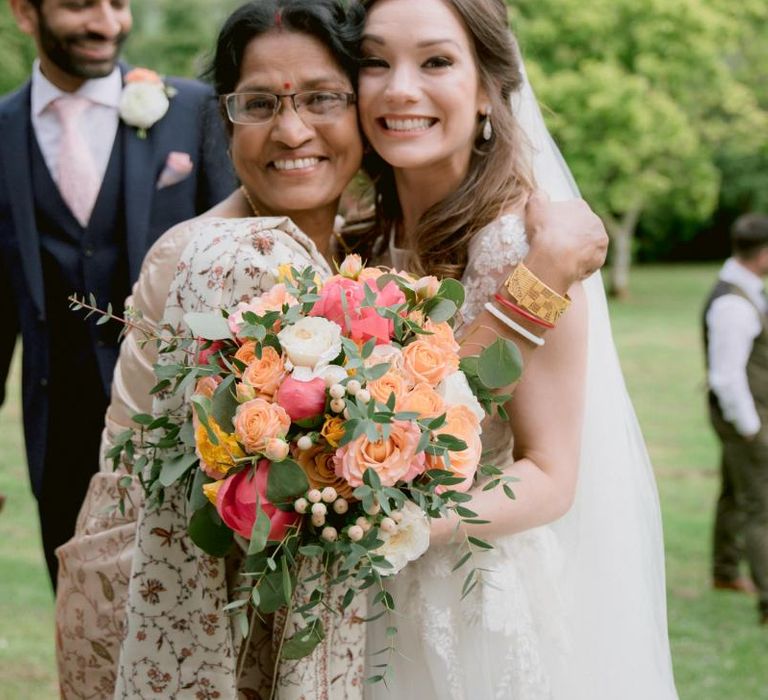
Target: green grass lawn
point(719, 651)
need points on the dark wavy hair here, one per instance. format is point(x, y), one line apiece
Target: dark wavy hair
point(499, 177)
point(335, 23)
point(749, 235)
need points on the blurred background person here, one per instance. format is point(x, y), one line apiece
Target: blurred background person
point(88, 181)
point(736, 341)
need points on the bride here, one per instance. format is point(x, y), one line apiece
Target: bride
point(571, 605)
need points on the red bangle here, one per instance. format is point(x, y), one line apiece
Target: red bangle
point(522, 312)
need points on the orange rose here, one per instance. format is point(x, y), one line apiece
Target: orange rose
point(317, 464)
point(142, 75)
point(258, 420)
point(462, 423)
point(333, 430)
point(265, 374)
point(428, 361)
point(424, 400)
point(206, 386)
point(394, 459)
point(442, 334)
point(246, 353)
point(393, 382)
point(216, 460)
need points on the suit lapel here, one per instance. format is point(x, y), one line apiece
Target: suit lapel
point(139, 189)
point(139, 183)
point(14, 153)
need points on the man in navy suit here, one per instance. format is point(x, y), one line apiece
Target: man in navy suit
point(83, 195)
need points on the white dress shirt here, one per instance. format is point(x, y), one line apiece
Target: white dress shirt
point(733, 323)
point(99, 122)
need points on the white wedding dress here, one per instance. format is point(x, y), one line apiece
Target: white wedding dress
point(575, 610)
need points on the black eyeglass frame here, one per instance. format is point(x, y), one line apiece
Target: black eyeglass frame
point(228, 101)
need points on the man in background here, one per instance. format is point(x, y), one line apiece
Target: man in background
point(736, 341)
point(90, 176)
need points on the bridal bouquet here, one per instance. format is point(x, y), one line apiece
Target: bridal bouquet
point(331, 421)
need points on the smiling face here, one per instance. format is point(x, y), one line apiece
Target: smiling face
point(419, 92)
point(288, 165)
point(77, 40)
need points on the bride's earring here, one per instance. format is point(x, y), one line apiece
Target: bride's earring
point(487, 126)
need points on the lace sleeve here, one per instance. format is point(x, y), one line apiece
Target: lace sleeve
point(493, 251)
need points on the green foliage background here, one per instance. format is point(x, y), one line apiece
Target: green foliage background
point(658, 105)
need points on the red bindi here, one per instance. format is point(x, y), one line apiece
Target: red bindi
point(286, 86)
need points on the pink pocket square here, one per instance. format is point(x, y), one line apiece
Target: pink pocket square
point(178, 166)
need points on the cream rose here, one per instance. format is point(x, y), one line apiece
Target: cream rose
point(311, 345)
point(388, 354)
point(143, 103)
point(456, 392)
point(408, 542)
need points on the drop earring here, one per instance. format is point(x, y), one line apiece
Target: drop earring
point(487, 126)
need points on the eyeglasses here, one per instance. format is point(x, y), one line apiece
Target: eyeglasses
point(313, 106)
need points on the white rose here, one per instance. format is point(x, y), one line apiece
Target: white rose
point(311, 345)
point(388, 354)
point(455, 391)
point(409, 541)
point(142, 104)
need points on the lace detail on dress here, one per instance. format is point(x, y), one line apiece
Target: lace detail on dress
point(505, 639)
point(494, 249)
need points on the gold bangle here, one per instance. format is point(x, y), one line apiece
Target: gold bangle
point(530, 293)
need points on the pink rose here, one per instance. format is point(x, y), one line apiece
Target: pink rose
point(394, 459)
point(302, 399)
point(272, 300)
point(361, 324)
point(206, 354)
point(236, 503)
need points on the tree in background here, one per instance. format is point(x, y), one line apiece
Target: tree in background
point(647, 105)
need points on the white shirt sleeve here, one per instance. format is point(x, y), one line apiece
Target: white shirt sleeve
point(733, 324)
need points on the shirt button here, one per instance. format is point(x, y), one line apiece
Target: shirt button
point(43, 382)
point(88, 252)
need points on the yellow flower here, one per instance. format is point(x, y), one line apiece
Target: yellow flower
point(211, 490)
point(333, 430)
point(285, 274)
point(217, 460)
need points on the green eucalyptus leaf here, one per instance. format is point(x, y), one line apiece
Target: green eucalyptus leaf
point(271, 593)
point(442, 310)
point(286, 482)
point(209, 533)
point(173, 469)
point(500, 364)
point(304, 641)
point(453, 290)
point(260, 531)
point(224, 404)
point(211, 326)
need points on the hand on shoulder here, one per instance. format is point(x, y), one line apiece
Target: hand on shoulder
point(566, 237)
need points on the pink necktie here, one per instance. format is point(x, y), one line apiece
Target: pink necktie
point(78, 182)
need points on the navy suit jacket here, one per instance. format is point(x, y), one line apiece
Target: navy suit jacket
point(191, 126)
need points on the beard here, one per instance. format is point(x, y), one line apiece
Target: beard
point(58, 48)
